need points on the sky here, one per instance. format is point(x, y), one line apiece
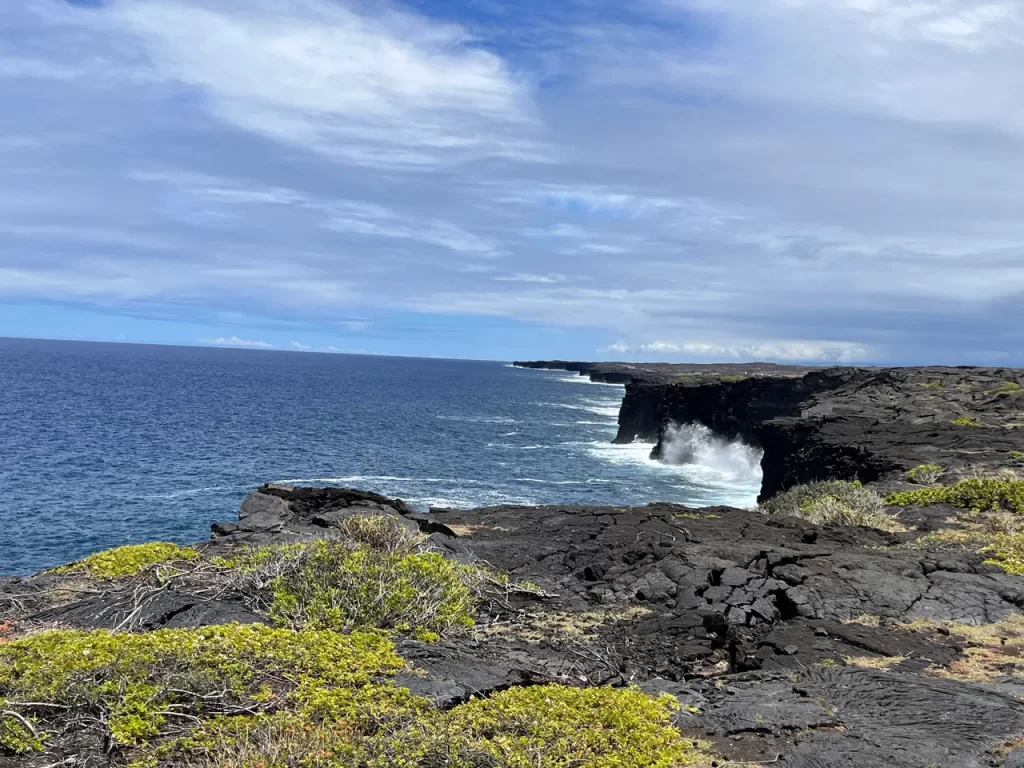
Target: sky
point(695, 180)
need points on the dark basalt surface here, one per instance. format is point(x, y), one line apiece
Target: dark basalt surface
point(746, 619)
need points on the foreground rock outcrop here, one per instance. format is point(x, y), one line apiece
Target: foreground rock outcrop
point(784, 643)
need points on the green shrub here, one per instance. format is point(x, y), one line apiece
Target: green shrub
point(977, 494)
point(135, 688)
point(534, 727)
point(1003, 549)
point(926, 474)
point(1009, 388)
point(833, 502)
point(329, 585)
point(129, 560)
point(933, 385)
point(1017, 454)
point(555, 726)
point(965, 421)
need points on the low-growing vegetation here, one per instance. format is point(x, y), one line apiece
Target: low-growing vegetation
point(873, 662)
point(993, 650)
point(257, 697)
point(834, 502)
point(925, 474)
point(981, 494)
point(1008, 388)
point(129, 560)
point(125, 690)
point(965, 421)
point(1005, 550)
point(332, 585)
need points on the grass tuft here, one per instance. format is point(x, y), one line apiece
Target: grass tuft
point(834, 502)
point(925, 474)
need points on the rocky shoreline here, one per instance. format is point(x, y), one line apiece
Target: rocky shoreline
point(866, 424)
point(782, 641)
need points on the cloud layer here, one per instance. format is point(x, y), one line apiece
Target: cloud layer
point(831, 181)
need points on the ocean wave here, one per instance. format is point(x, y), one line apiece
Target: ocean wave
point(480, 419)
point(586, 380)
point(474, 501)
point(381, 479)
point(601, 408)
point(192, 492)
point(590, 481)
point(697, 447)
point(628, 453)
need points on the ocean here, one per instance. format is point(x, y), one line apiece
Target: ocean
point(109, 444)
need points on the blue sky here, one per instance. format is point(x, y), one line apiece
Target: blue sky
point(792, 180)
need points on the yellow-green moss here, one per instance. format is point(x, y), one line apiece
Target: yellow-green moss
point(329, 585)
point(139, 685)
point(129, 560)
point(978, 494)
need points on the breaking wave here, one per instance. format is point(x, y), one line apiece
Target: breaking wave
point(696, 445)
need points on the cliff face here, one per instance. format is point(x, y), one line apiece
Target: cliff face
point(867, 424)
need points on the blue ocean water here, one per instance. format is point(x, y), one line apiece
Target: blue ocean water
point(108, 444)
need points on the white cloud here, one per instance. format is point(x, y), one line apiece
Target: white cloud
point(234, 341)
point(300, 347)
point(355, 325)
point(526, 277)
point(788, 351)
point(661, 347)
point(387, 89)
point(616, 348)
point(717, 184)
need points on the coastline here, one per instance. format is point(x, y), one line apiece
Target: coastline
point(772, 633)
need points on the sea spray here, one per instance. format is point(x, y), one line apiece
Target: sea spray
point(697, 445)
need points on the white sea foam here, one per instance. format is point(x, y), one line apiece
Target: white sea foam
point(586, 380)
point(378, 479)
point(637, 454)
point(480, 419)
point(590, 481)
point(194, 491)
point(606, 408)
point(696, 446)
